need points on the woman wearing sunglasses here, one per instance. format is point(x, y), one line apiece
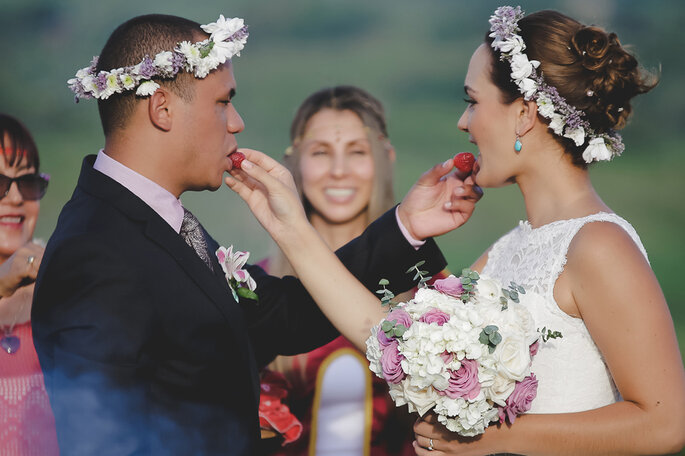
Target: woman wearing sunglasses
point(26, 419)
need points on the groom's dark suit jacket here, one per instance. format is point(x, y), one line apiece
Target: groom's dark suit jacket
point(144, 349)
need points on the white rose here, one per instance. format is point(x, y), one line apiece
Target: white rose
point(488, 291)
point(500, 389)
point(596, 150)
point(417, 400)
point(513, 356)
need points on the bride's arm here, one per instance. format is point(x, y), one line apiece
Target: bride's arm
point(268, 189)
point(625, 311)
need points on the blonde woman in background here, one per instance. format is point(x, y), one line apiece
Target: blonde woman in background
point(342, 162)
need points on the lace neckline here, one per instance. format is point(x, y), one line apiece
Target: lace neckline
point(525, 224)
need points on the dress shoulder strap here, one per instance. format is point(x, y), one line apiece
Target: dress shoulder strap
point(571, 228)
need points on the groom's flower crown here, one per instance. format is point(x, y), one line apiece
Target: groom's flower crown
point(227, 39)
point(565, 120)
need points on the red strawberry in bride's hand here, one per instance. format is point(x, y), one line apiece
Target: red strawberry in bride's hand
point(464, 161)
point(237, 158)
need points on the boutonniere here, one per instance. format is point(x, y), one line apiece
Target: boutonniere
point(239, 280)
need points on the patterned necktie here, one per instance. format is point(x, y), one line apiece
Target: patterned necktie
point(191, 232)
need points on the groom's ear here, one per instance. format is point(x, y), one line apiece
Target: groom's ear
point(159, 109)
point(527, 116)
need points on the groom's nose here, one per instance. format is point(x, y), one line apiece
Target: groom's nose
point(235, 123)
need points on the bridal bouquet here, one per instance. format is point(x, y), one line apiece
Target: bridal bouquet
point(462, 348)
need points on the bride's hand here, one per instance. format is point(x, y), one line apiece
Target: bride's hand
point(269, 191)
point(439, 202)
point(428, 430)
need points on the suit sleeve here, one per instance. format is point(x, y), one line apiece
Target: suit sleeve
point(90, 348)
point(287, 321)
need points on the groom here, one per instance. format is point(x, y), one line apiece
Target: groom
point(143, 347)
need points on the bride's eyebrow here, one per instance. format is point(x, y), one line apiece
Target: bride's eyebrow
point(468, 89)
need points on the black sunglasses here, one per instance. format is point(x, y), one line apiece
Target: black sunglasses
point(31, 186)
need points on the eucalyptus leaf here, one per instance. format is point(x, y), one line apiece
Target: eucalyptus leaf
point(465, 281)
point(495, 338)
point(384, 282)
point(420, 263)
point(484, 339)
point(473, 275)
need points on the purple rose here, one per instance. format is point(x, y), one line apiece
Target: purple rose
point(450, 286)
point(391, 360)
point(520, 399)
point(464, 381)
point(534, 348)
point(383, 338)
point(401, 317)
point(435, 316)
point(447, 357)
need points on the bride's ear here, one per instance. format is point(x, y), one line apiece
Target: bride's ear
point(527, 116)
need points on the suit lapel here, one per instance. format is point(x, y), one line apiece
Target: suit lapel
point(213, 285)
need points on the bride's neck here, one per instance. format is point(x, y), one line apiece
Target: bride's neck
point(558, 191)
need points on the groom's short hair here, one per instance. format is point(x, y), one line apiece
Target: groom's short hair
point(128, 45)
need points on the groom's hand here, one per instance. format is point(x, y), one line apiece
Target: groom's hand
point(439, 202)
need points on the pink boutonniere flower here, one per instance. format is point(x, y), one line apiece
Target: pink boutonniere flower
point(239, 280)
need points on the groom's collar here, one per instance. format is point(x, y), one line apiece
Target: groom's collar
point(154, 195)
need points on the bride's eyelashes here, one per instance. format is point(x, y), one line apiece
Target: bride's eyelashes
point(470, 101)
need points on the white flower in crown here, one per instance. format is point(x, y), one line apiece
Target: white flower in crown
point(239, 280)
point(545, 106)
point(512, 45)
point(163, 62)
point(577, 135)
point(111, 84)
point(527, 87)
point(227, 38)
point(223, 28)
point(551, 105)
point(127, 81)
point(521, 67)
point(147, 88)
point(557, 124)
point(596, 150)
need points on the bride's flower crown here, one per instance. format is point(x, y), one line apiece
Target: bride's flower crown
point(227, 39)
point(565, 120)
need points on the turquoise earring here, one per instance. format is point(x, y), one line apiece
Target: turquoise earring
point(517, 145)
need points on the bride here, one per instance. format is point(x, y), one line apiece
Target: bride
point(545, 97)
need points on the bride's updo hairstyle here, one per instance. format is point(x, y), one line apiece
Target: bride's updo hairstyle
point(587, 66)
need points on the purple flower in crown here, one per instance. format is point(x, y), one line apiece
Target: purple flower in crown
point(146, 68)
point(239, 280)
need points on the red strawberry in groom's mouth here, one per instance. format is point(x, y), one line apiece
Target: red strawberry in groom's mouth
point(237, 158)
point(464, 161)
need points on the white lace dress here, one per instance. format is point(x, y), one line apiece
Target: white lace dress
point(571, 371)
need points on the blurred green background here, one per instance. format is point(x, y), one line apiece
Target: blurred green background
point(411, 54)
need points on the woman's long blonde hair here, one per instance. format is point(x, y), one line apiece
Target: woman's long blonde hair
point(372, 115)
